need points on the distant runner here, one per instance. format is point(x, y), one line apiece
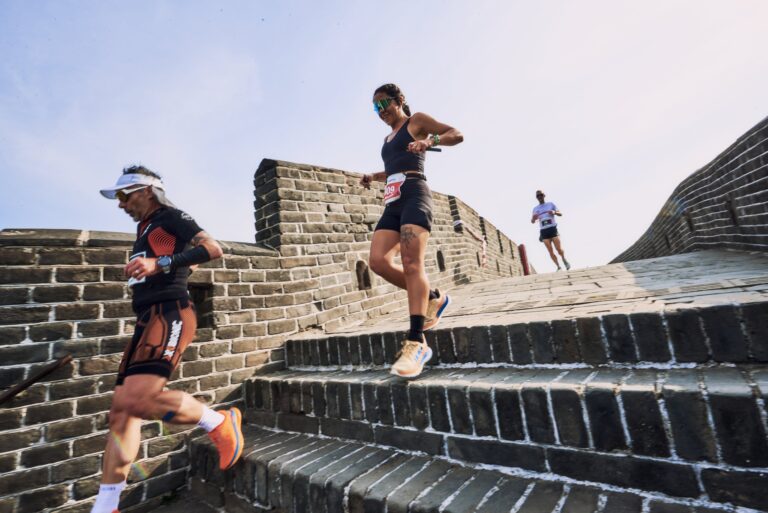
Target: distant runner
point(545, 213)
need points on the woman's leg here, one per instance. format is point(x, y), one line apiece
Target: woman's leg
point(413, 246)
point(384, 247)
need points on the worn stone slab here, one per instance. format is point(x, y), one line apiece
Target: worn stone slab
point(691, 280)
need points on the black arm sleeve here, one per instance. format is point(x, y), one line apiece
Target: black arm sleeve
point(192, 256)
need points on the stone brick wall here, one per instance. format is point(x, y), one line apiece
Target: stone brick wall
point(722, 205)
point(320, 219)
point(63, 291)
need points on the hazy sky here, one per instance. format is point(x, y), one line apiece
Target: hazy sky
point(606, 105)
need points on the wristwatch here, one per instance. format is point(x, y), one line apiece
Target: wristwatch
point(164, 263)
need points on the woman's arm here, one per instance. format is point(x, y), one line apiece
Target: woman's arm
point(427, 132)
point(366, 180)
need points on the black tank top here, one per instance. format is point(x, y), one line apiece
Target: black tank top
point(396, 156)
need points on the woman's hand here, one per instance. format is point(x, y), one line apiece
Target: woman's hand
point(366, 180)
point(420, 146)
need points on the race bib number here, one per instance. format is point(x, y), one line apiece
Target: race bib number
point(133, 281)
point(546, 222)
point(392, 189)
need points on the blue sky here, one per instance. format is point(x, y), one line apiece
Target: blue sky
point(606, 105)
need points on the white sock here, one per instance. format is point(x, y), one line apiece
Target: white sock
point(210, 419)
point(108, 498)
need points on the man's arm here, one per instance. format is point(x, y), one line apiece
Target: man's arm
point(204, 249)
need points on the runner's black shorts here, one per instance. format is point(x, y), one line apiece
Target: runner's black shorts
point(548, 233)
point(413, 207)
point(163, 331)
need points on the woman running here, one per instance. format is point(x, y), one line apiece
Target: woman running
point(407, 219)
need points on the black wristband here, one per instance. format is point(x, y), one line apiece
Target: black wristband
point(196, 255)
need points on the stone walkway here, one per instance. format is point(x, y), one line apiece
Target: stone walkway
point(700, 279)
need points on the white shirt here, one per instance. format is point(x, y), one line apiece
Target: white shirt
point(546, 220)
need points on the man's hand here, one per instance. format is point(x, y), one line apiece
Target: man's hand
point(141, 267)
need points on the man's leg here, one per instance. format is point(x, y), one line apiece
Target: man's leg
point(559, 249)
point(548, 244)
point(123, 439)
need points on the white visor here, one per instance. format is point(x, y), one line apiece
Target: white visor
point(130, 181)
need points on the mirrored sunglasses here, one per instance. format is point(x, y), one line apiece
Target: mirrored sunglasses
point(123, 195)
point(382, 104)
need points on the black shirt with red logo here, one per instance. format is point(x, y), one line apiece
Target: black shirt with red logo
point(167, 231)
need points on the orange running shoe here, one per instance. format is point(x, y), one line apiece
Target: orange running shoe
point(411, 359)
point(228, 438)
point(435, 309)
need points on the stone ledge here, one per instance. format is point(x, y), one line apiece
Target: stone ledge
point(676, 337)
point(708, 416)
point(283, 471)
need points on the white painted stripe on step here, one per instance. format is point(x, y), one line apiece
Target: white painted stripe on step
point(532, 366)
point(710, 416)
point(345, 502)
point(495, 412)
point(523, 498)
point(409, 479)
point(266, 448)
point(490, 493)
point(622, 411)
point(665, 420)
point(601, 502)
point(563, 497)
point(365, 456)
point(604, 338)
point(584, 412)
point(383, 477)
point(448, 410)
point(551, 408)
point(665, 326)
point(429, 488)
point(455, 494)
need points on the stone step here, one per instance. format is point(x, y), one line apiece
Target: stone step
point(713, 416)
point(732, 333)
point(663, 431)
point(292, 473)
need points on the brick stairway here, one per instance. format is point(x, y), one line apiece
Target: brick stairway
point(637, 387)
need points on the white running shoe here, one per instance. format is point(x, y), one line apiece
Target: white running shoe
point(412, 358)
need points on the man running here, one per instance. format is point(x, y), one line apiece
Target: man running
point(545, 213)
point(169, 243)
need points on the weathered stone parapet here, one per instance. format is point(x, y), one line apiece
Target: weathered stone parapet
point(321, 218)
point(64, 290)
point(723, 205)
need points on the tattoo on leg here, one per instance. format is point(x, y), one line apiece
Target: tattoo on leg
point(406, 236)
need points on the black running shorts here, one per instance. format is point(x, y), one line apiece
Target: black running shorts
point(548, 233)
point(163, 331)
point(413, 207)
